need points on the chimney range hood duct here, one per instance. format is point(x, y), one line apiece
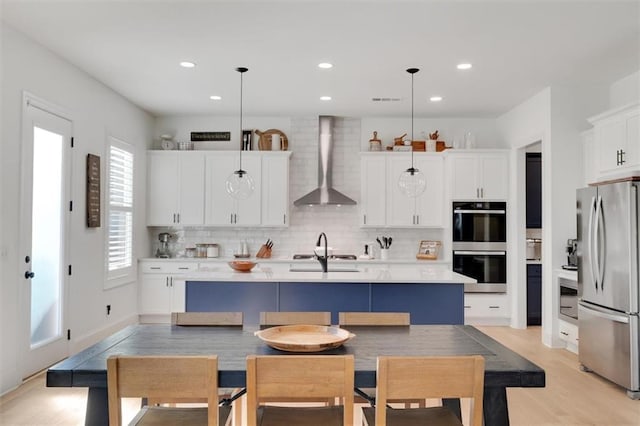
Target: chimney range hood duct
point(324, 194)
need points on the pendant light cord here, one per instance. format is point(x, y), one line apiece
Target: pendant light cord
point(412, 71)
point(241, 70)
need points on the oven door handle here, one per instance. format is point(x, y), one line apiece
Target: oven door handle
point(481, 211)
point(482, 253)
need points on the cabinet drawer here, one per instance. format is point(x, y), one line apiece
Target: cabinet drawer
point(167, 267)
point(568, 332)
point(480, 305)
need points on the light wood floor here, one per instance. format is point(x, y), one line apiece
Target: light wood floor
point(571, 397)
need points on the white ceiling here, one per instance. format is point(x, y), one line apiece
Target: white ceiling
point(517, 48)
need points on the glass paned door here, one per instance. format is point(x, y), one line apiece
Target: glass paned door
point(45, 195)
point(46, 237)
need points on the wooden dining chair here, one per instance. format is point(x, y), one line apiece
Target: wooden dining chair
point(207, 318)
point(426, 377)
point(318, 377)
point(270, 319)
point(374, 318)
point(190, 377)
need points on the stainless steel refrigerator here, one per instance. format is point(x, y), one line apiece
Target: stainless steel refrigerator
point(608, 282)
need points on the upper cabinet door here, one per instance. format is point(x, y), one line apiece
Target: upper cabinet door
point(430, 205)
point(464, 179)
point(191, 182)
point(162, 188)
point(400, 208)
point(275, 189)
point(373, 184)
point(494, 182)
point(617, 140)
point(248, 211)
point(219, 206)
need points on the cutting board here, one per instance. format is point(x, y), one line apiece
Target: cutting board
point(264, 143)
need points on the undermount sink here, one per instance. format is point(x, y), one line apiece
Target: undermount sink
point(318, 269)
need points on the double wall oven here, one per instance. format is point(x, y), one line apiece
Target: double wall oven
point(480, 244)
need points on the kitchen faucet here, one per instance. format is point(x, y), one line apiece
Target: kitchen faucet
point(322, 259)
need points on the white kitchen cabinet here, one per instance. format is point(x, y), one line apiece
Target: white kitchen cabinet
point(486, 309)
point(220, 208)
point(479, 175)
point(569, 334)
point(161, 290)
point(275, 188)
point(373, 184)
point(617, 140)
point(382, 202)
point(175, 188)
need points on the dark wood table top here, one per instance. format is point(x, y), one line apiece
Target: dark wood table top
point(504, 368)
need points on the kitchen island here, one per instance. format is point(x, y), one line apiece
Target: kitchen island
point(432, 294)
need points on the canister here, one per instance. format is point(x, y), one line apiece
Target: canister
point(213, 250)
point(201, 250)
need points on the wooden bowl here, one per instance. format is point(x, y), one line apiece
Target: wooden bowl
point(304, 338)
point(242, 265)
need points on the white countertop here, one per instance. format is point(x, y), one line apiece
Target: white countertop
point(276, 272)
point(289, 260)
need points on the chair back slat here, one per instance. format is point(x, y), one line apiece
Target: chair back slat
point(207, 318)
point(300, 376)
point(294, 318)
point(374, 318)
point(186, 377)
point(430, 377)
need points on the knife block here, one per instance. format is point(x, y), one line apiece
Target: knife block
point(264, 252)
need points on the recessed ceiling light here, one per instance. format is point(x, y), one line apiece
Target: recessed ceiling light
point(187, 64)
point(464, 66)
point(325, 65)
point(215, 97)
point(435, 98)
point(325, 98)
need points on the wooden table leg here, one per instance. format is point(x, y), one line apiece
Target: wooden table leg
point(496, 412)
point(97, 413)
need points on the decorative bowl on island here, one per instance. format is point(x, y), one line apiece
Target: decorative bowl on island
point(242, 265)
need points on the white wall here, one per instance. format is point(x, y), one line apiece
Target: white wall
point(525, 124)
point(339, 223)
point(96, 112)
point(625, 91)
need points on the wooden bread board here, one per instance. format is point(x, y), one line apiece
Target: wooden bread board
point(304, 338)
point(264, 144)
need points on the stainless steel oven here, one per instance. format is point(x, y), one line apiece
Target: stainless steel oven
point(480, 244)
point(568, 300)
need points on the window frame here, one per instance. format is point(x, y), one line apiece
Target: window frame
point(124, 275)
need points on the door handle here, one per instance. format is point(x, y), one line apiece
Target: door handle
point(29, 274)
point(592, 263)
point(599, 229)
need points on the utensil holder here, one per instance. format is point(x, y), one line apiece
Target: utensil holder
point(264, 252)
point(384, 254)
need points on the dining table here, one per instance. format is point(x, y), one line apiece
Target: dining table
point(504, 368)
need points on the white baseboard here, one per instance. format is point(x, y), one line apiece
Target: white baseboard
point(89, 339)
point(506, 321)
point(155, 319)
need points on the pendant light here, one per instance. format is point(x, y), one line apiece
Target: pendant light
point(412, 181)
point(239, 184)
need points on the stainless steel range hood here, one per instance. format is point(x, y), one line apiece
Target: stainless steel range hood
point(324, 194)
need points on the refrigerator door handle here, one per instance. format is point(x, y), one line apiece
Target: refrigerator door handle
point(600, 250)
point(602, 313)
point(592, 263)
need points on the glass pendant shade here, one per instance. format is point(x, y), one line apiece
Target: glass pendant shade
point(240, 185)
point(412, 182)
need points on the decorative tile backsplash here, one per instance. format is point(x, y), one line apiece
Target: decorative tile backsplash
point(340, 224)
